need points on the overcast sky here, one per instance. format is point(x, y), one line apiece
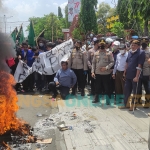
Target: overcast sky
point(22, 10)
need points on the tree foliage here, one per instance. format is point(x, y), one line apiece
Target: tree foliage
point(60, 15)
point(76, 34)
point(135, 14)
point(50, 23)
point(118, 29)
point(87, 16)
point(104, 12)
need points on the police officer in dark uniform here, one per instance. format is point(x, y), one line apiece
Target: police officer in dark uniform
point(101, 70)
point(134, 64)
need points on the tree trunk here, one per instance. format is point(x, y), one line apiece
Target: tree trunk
point(146, 28)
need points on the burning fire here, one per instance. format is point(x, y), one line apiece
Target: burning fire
point(9, 107)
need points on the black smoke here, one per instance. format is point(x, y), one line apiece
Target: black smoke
point(7, 50)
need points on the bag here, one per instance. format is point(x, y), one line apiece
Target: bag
point(11, 62)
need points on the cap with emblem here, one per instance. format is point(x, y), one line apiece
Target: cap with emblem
point(144, 40)
point(102, 42)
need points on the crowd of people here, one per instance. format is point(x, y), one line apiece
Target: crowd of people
point(112, 67)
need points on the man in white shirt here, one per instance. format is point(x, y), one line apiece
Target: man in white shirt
point(119, 70)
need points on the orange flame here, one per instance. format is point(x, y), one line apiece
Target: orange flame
point(9, 107)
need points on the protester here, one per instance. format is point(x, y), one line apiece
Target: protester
point(49, 47)
point(39, 79)
point(27, 57)
point(118, 71)
point(78, 63)
point(41, 44)
point(65, 79)
point(132, 73)
point(101, 65)
point(90, 58)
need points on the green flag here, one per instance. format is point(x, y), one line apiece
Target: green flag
point(31, 37)
point(14, 34)
point(21, 36)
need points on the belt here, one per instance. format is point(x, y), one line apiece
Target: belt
point(120, 71)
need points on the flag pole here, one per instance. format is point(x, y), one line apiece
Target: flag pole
point(38, 37)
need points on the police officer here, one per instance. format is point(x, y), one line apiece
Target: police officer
point(102, 62)
point(78, 63)
point(90, 58)
point(146, 68)
point(134, 64)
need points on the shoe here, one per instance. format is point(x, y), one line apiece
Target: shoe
point(54, 95)
point(96, 99)
point(82, 93)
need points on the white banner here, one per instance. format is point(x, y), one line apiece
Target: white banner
point(48, 63)
point(73, 9)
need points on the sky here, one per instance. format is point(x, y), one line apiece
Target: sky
point(19, 11)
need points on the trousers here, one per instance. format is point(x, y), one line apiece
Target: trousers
point(80, 79)
point(64, 91)
point(129, 87)
point(102, 84)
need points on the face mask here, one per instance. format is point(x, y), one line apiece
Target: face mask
point(133, 51)
point(41, 44)
point(144, 45)
point(122, 51)
point(102, 47)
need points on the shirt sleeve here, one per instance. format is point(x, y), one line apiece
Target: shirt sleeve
point(56, 78)
point(141, 58)
point(111, 62)
point(115, 67)
point(89, 59)
point(74, 78)
point(93, 64)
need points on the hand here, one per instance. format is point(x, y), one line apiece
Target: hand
point(57, 83)
point(103, 69)
point(124, 77)
point(135, 79)
point(85, 72)
point(113, 76)
point(19, 57)
point(93, 75)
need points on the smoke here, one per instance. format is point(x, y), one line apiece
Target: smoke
point(7, 50)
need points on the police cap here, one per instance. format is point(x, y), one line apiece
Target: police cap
point(144, 40)
point(102, 42)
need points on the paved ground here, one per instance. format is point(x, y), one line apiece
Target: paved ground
point(113, 129)
point(30, 106)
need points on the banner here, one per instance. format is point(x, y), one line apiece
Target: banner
point(47, 63)
point(73, 9)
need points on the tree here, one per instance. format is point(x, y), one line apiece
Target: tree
point(52, 25)
point(104, 12)
point(76, 34)
point(66, 17)
point(118, 29)
point(123, 12)
point(87, 16)
point(60, 15)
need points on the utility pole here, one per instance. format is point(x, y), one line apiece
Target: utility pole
point(5, 21)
